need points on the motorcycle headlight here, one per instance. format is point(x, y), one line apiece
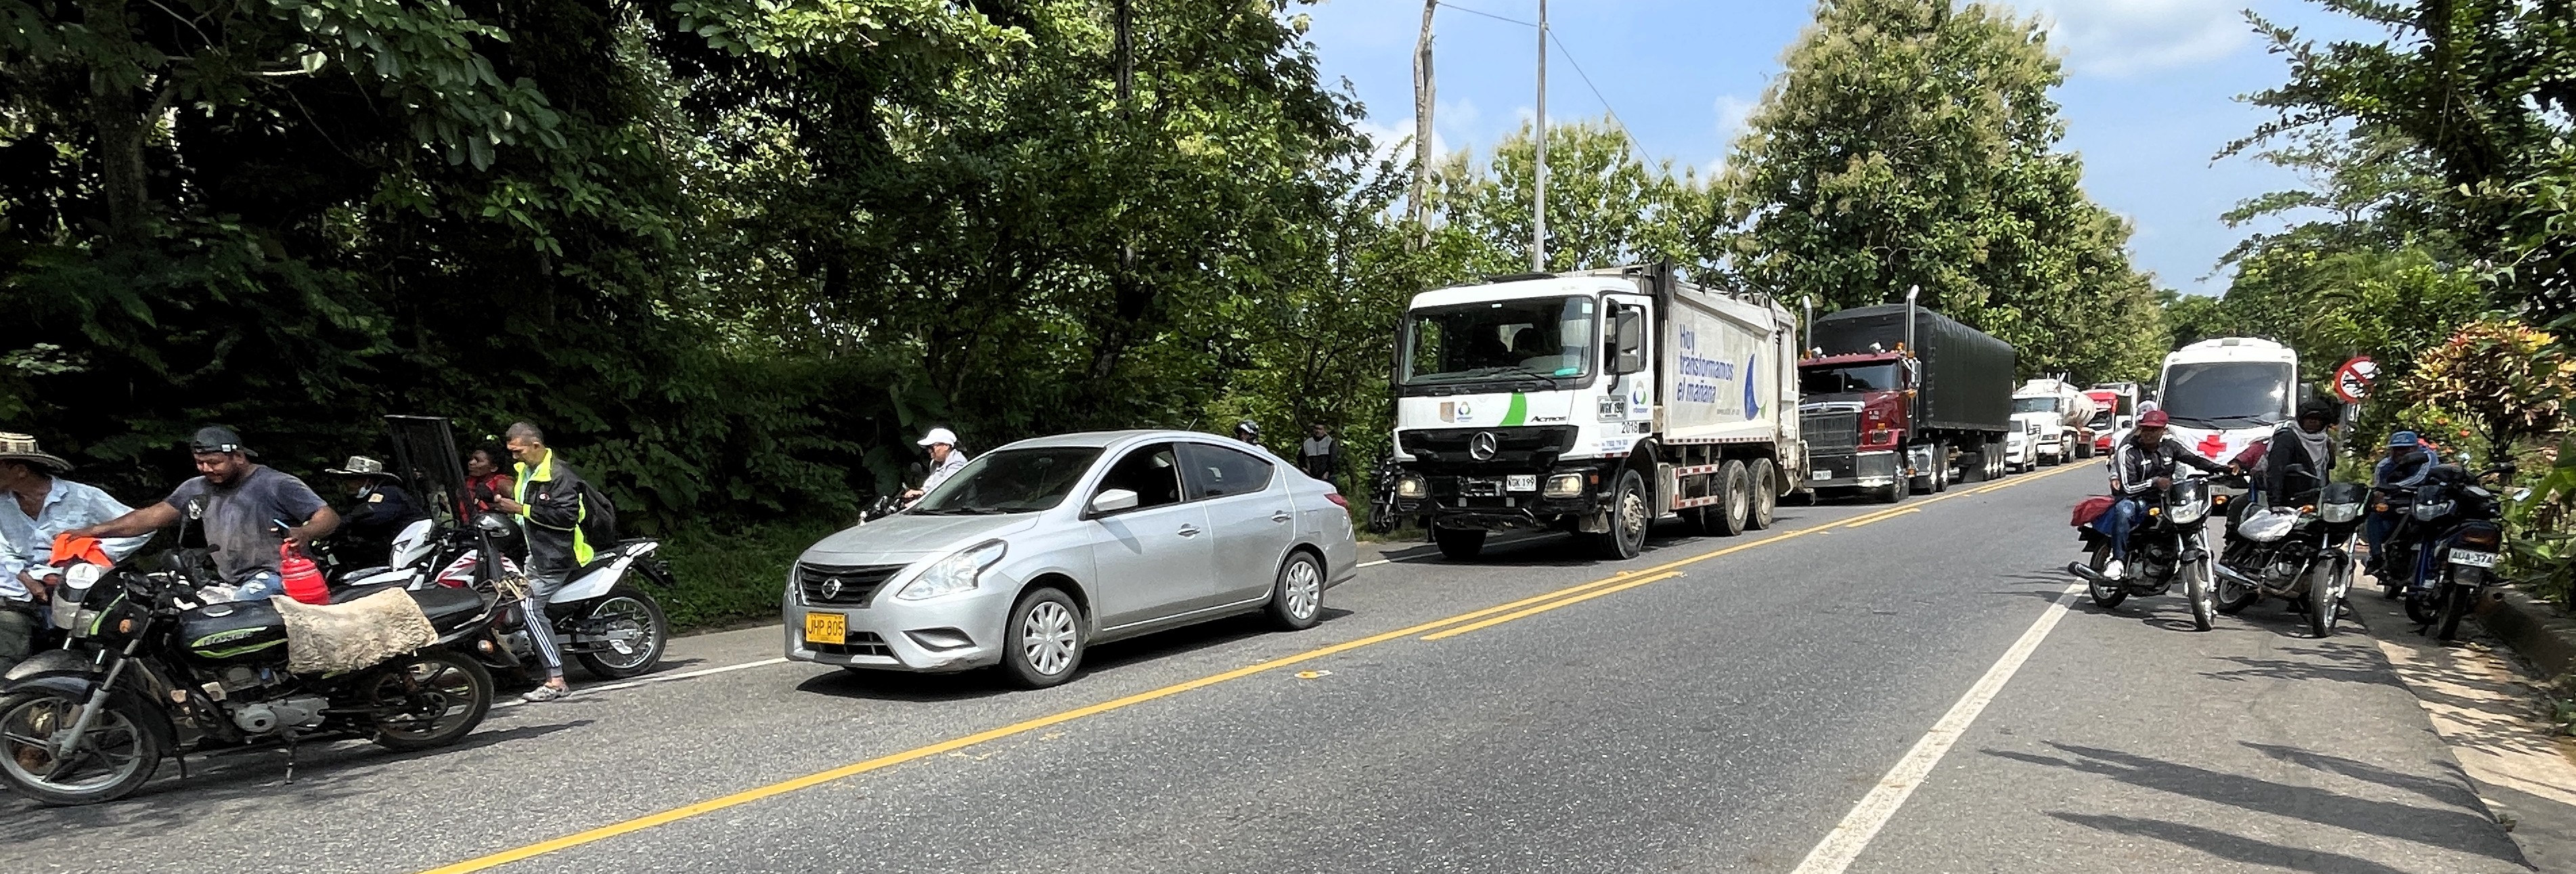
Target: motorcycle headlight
point(1564, 485)
point(1412, 486)
point(2427, 511)
point(2190, 512)
point(2337, 514)
point(956, 573)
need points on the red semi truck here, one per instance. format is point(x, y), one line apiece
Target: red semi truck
point(1893, 397)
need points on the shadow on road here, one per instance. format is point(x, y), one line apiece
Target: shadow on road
point(1107, 658)
point(2449, 827)
point(325, 773)
point(2348, 663)
point(2234, 848)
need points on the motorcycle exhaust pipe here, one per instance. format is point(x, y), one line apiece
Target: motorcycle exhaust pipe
point(2088, 574)
point(2237, 578)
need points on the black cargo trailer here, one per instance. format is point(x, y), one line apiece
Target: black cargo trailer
point(1895, 397)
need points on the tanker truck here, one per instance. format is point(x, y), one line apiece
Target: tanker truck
point(1594, 403)
point(2056, 417)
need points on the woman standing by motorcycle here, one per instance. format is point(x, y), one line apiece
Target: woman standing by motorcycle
point(486, 477)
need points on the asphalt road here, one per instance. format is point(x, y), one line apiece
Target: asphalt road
point(1856, 689)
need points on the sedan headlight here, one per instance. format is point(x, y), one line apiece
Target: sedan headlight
point(1564, 485)
point(956, 573)
point(2337, 514)
point(1412, 486)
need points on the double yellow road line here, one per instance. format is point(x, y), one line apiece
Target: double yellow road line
point(1439, 629)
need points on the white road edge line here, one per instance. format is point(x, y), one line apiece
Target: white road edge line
point(657, 678)
point(1853, 834)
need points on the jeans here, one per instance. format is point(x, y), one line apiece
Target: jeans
point(17, 637)
point(260, 585)
point(2117, 522)
point(2376, 530)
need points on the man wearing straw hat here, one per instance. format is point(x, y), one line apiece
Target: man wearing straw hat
point(382, 507)
point(40, 504)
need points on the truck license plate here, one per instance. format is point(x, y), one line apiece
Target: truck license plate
point(1822, 474)
point(1521, 482)
point(2471, 558)
point(831, 628)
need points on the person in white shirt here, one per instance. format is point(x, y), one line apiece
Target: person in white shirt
point(36, 504)
point(945, 461)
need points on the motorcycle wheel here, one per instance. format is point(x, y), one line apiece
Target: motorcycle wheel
point(2234, 597)
point(2423, 608)
point(2455, 605)
point(116, 757)
point(2197, 587)
point(2105, 596)
point(626, 609)
point(435, 698)
point(2326, 585)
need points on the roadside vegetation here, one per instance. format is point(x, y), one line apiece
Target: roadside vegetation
point(735, 255)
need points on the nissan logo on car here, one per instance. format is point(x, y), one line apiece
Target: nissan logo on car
point(1482, 446)
point(832, 587)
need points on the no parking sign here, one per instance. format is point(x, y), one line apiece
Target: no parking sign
point(2352, 380)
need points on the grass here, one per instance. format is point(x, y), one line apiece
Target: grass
point(736, 573)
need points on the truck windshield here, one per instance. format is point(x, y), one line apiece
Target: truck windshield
point(2101, 421)
point(2035, 405)
point(1847, 379)
point(2228, 394)
point(1541, 336)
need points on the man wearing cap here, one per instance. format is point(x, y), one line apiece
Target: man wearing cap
point(2404, 468)
point(238, 504)
point(945, 461)
point(40, 505)
point(382, 507)
point(2141, 466)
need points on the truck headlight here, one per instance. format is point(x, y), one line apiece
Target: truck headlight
point(1563, 485)
point(956, 573)
point(1412, 486)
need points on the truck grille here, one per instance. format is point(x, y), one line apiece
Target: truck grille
point(1513, 447)
point(1830, 433)
point(855, 583)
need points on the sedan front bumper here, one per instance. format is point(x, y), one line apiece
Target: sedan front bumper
point(951, 633)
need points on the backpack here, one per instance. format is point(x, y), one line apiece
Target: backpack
point(599, 516)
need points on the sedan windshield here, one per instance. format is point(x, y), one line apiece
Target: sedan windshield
point(1009, 481)
point(2228, 394)
point(1547, 337)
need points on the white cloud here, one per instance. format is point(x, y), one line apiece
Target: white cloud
point(1732, 113)
point(1384, 139)
point(2128, 37)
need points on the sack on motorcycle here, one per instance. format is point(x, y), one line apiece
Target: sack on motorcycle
point(335, 638)
point(2268, 525)
point(2090, 509)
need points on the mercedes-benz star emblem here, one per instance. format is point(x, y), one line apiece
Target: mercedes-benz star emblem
point(1482, 446)
point(832, 587)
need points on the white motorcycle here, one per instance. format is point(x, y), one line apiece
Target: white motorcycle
point(600, 618)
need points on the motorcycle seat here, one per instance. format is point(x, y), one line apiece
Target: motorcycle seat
point(352, 593)
point(448, 608)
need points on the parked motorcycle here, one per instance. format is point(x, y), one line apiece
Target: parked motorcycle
point(612, 626)
point(148, 672)
point(2302, 553)
point(2166, 546)
point(1382, 518)
point(2444, 550)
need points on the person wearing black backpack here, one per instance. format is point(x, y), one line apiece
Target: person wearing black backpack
point(562, 516)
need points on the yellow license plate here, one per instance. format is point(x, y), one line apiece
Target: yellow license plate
point(827, 628)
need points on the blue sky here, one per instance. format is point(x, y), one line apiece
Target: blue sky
point(2149, 97)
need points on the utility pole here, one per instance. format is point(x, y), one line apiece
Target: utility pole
point(1538, 178)
point(1423, 100)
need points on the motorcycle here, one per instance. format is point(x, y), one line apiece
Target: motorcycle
point(2444, 549)
point(2167, 545)
point(613, 627)
point(149, 672)
point(2303, 554)
point(1382, 518)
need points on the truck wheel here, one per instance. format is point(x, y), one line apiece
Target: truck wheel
point(1766, 493)
point(1629, 517)
point(1894, 492)
point(1459, 544)
point(1735, 501)
point(1940, 468)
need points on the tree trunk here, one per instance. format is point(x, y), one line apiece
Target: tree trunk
point(1416, 204)
point(119, 124)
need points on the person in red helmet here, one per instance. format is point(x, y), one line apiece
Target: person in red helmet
point(2140, 467)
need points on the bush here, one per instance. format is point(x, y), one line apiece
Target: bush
point(733, 573)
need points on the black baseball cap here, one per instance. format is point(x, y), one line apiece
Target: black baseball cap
point(217, 438)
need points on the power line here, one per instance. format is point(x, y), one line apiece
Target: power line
point(1569, 57)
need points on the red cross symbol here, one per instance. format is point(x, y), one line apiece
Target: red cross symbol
point(2211, 446)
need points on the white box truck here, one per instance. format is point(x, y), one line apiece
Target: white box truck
point(1594, 403)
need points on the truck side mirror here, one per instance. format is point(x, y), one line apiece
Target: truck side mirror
point(1628, 341)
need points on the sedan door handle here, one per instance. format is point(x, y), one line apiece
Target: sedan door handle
point(1280, 516)
point(1189, 531)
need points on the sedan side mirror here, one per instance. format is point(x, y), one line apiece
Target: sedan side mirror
point(1112, 501)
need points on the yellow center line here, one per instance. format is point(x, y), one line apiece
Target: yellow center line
point(1456, 630)
point(1620, 581)
point(1884, 516)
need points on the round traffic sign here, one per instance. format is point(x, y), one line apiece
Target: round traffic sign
point(2352, 380)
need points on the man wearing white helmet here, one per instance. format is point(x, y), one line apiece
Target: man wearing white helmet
point(945, 461)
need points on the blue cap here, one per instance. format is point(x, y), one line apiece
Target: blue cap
point(2404, 438)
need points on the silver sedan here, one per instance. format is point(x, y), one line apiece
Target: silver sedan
point(1037, 550)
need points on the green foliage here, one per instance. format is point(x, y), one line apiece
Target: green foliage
point(1606, 205)
point(1915, 143)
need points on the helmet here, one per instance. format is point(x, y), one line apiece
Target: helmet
point(2154, 419)
point(1246, 431)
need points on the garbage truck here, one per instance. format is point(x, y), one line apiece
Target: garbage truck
point(1595, 403)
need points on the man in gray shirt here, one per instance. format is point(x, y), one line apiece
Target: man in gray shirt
point(236, 502)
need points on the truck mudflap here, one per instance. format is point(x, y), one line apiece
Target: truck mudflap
point(1860, 470)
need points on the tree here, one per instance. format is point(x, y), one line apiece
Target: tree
point(1914, 143)
point(2504, 376)
point(1606, 205)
